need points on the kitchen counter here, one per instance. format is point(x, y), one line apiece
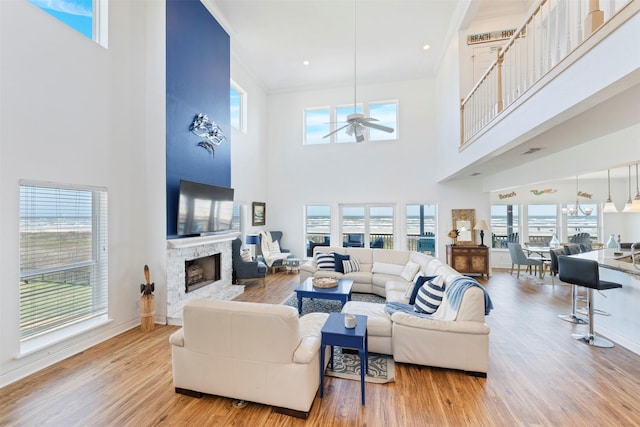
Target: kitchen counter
point(607, 259)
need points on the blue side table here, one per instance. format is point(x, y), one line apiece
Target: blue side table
point(335, 333)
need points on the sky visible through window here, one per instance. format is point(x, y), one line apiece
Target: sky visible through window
point(235, 108)
point(78, 14)
point(317, 125)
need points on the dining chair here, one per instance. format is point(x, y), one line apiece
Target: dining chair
point(519, 258)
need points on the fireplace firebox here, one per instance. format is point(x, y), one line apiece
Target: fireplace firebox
point(201, 272)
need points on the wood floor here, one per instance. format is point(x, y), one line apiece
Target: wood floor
point(538, 376)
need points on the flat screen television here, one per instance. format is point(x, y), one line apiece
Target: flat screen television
point(204, 209)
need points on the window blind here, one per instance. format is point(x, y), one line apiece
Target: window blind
point(63, 256)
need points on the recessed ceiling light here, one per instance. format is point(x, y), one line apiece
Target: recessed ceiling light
point(305, 63)
point(426, 47)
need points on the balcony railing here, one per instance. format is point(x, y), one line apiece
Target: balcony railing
point(415, 242)
point(554, 30)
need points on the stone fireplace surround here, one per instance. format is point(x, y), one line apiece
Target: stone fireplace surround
point(181, 250)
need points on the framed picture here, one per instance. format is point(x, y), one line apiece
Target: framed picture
point(259, 211)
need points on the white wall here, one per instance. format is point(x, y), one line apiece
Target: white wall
point(249, 150)
point(394, 172)
point(74, 112)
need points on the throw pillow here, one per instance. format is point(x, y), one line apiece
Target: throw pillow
point(410, 271)
point(384, 268)
point(325, 261)
point(429, 296)
point(412, 290)
point(339, 258)
point(274, 247)
point(245, 255)
point(350, 265)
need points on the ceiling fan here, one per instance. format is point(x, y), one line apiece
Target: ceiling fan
point(357, 122)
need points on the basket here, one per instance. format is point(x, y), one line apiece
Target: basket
point(325, 282)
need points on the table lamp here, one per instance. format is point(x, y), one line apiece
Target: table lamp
point(482, 226)
point(252, 240)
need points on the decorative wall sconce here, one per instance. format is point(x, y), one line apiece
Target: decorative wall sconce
point(210, 133)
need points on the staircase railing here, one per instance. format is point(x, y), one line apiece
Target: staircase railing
point(554, 30)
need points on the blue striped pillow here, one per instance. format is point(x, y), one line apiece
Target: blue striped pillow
point(326, 261)
point(350, 265)
point(429, 297)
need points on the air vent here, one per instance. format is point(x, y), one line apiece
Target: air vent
point(532, 150)
point(475, 174)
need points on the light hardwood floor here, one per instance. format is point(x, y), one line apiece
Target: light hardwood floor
point(538, 376)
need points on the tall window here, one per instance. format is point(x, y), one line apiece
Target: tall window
point(542, 224)
point(367, 226)
point(505, 225)
point(317, 226)
point(584, 223)
point(63, 256)
point(387, 115)
point(421, 228)
point(238, 103)
point(88, 17)
point(316, 125)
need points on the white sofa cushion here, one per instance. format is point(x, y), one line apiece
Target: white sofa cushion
point(410, 271)
point(386, 268)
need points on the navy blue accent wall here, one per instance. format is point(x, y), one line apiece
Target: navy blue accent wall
point(198, 73)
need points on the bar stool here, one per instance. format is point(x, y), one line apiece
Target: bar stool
point(573, 316)
point(584, 272)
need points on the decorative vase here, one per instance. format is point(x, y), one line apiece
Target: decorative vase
point(611, 243)
point(554, 243)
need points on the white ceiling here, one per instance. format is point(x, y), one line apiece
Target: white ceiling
point(273, 37)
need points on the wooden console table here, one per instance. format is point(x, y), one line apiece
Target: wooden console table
point(469, 259)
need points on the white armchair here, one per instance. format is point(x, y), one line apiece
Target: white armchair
point(256, 352)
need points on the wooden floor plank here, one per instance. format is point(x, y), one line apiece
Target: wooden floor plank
point(538, 376)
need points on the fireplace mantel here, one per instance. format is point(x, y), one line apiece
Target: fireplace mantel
point(188, 242)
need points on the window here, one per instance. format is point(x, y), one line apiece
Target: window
point(387, 115)
point(88, 17)
point(341, 119)
point(542, 224)
point(317, 226)
point(421, 228)
point(367, 226)
point(63, 256)
point(238, 103)
point(584, 223)
point(505, 223)
point(236, 221)
point(316, 125)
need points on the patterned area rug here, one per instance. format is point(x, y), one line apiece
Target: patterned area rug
point(347, 365)
point(327, 306)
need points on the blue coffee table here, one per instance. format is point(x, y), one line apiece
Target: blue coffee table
point(335, 333)
point(341, 293)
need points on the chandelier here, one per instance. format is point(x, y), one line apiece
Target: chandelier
point(577, 209)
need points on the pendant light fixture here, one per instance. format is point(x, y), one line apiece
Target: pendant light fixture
point(609, 206)
point(635, 204)
point(628, 205)
point(576, 210)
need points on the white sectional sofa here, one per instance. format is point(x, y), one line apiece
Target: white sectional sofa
point(452, 338)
